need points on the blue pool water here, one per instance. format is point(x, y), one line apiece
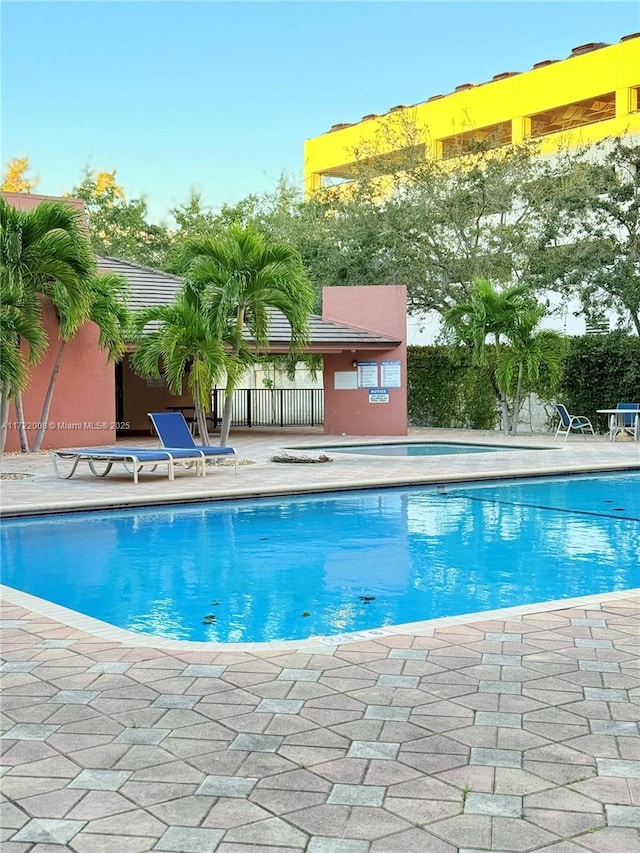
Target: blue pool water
point(294, 567)
point(418, 449)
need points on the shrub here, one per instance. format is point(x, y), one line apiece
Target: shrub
point(600, 371)
point(447, 393)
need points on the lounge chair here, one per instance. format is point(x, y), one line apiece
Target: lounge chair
point(571, 422)
point(132, 458)
point(627, 423)
point(173, 431)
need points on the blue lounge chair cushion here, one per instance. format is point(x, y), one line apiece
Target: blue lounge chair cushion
point(142, 454)
point(135, 457)
point(173, 431)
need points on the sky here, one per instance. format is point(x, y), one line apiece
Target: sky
point(218, 97)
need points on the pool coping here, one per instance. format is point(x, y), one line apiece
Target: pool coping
point(235, 492)
point(321, 644)
point(490, 447)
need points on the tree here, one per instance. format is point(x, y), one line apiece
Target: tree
point(105, 305)
point(16, 180)
point(118, 227)
point(599, 260)
point(532, 361)
point(44, 253)
point(501, 327)
point(238, 279)
point(432, 225)
point(19, 323)
point(487, 214)
point(174, 341)
point(194, 219)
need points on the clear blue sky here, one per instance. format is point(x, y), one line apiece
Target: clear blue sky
point(220, 96)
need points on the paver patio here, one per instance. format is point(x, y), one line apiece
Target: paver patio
point(510, 732)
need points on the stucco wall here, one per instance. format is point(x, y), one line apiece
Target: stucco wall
point(378, 309)
point(83, 409)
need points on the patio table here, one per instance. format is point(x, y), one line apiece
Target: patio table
point(616, 421)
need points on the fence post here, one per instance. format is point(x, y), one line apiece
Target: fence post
point(249, 407)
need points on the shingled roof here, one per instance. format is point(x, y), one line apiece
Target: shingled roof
point(147, 287)
point(150, 287)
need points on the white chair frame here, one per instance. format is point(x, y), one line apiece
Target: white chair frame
point(572, 422)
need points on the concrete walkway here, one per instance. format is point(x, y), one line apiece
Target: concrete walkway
point(510, 732)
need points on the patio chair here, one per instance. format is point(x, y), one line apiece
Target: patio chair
point(571, 422)
point(628, 423)
point(173, 431)
point(133, 459)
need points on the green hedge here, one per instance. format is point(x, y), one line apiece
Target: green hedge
point(444, 393)
point(600, 371)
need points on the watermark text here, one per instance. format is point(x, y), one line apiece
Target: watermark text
point(70, 425)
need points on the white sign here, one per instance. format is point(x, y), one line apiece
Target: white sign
point(367, 374)
point(378, 395)
point(390, 374)
point(345, 380)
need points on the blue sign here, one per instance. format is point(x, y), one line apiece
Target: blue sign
point(378, 395)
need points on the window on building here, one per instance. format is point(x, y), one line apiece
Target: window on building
point(335, 180)
point(376, 165)
point(400, 160)
point(598, 324)
point(577, 114)
point(476, 140)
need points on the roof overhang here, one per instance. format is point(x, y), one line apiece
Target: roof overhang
point(149, 287)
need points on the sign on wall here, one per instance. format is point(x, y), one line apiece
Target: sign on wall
point(391, 374)
point(345, 380)
point(378, 395)
point(367, 374)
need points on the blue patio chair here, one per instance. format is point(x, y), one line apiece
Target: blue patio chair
point(571, 422)
point(628, 423)
point(134, 459)
point(173, 431)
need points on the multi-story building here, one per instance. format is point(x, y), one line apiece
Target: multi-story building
point(593, 94)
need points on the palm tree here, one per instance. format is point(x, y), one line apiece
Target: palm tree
point(174, 341)
point(501, 328)
point(107, 308)
point(19, 321)
point(530, 352)
point(43, 252)
point(238, 279)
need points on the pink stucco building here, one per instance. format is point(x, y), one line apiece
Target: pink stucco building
point(365, 387)
point(361, 336)
point(83, 411)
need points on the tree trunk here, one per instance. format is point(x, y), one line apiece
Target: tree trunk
point(230, 387)
point(201, 420)
point(505, 415)
point(226, 418)
point(517, 403)
point(4, 417)
point(46, 406)
point(24, 438)
point(274, 411)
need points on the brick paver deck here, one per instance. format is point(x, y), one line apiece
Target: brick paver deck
point(510, 732)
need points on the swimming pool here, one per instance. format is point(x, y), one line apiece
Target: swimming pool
point(295, 567)
point(419, 448)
